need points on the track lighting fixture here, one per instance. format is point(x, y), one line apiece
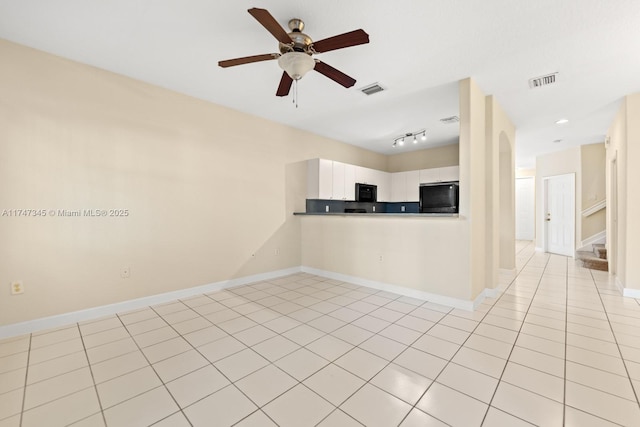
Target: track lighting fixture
point(399, 141)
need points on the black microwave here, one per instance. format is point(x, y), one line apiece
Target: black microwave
point(366, 193)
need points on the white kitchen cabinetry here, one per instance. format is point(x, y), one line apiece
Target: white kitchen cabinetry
point(349, 182)
point(338, 181)
point(383, 181)
point(405, 186)
point(319, 179)
point(445, 174)
point(329, 180)
point(375, 177)
point(365, 175)
point(450, 173)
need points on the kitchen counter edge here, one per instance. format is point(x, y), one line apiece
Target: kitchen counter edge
point(381, 214)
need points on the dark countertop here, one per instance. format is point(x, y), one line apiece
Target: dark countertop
point(410, 215)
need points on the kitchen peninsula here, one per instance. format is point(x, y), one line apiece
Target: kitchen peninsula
point(335, 188)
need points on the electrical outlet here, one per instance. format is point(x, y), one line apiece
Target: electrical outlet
point(277, 251)
point(17, 288)
point(381, 258)
point(125, 273)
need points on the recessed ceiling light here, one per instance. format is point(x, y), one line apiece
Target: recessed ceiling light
point(562, 121)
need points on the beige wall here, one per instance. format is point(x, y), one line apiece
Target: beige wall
point(437, 157)
point(593, 166)
point(632, 279)
point(623, 200)
point(500, 182)
point(447, 256)
point(558, 163)
point(424, 254)
point(202, 197)
point(473, 196)
point(206, 187)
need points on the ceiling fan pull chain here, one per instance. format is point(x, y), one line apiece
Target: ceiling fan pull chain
point(295, 92)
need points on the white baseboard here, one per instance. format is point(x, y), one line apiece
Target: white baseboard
point(467, 305)
point(60, 320)
point(121, 307)
point(626, 292)
point(600, 237)
point(631, 293)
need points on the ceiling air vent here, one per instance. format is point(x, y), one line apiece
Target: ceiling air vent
point(450, 120)
point(547, 80)
point(371, 89)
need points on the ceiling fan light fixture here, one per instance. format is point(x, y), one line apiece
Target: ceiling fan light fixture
point(296, 64)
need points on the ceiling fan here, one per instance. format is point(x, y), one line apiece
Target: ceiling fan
point(297, 49)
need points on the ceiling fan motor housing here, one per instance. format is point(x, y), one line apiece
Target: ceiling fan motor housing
point(301, 41)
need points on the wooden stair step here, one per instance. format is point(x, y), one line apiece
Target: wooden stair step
point(589, 260)
point(600, 251)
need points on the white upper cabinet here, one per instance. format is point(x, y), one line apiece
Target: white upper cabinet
point(413, 186)
point(338, 181)
point(319, 179)
point(429, 175)
point(445, 174)
point(398, 187)
point(329, 180)
point(383, 181)
point(365, 175)
point(450, 173)
point(405, 186)
point(375, 177)
point(349, 182)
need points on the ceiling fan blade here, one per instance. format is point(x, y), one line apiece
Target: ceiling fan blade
point(285, 85)
point(247, 60)
point(333, 74)
point(352, 38)
point(269, 22)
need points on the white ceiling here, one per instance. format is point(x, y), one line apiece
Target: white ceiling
point(418, 51)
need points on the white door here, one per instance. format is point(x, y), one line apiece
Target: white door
point(525, 209)
point(560, 214)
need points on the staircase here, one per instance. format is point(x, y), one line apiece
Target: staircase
point(595, 260)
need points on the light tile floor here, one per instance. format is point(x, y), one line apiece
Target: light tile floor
point(559, 346)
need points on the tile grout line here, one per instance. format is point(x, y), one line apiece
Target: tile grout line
point(231, 383)
point(548, 259)
point(93, 380)
point(624, 363)
point(154, 371)
point(531, 304)
point(26, 376)
point(389, 362)
point(414, 406)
